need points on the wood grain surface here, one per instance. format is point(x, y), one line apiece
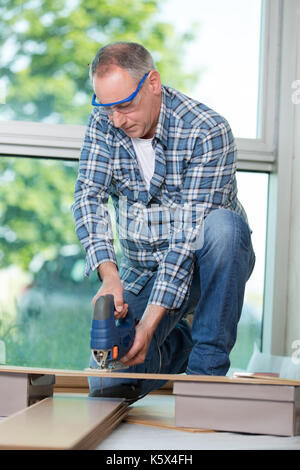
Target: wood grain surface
point(168, 377)
point(157, 411)
point(62, 422)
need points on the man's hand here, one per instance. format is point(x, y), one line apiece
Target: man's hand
point(143, 335)
point(111, 284)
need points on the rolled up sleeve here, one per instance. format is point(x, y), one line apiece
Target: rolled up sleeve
point(90, 209)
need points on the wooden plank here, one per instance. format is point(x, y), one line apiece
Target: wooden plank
point(157, 411)
point(235, 415)
point(260, 409)
point(70, 384)
point(13, 392)
point(20, 390)
point(168, 377)
point(62, 422)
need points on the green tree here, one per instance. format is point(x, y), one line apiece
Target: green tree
point(48, 44)
point(35, 209)
point(36, 221)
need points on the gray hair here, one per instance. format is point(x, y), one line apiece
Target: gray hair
point(130, 56)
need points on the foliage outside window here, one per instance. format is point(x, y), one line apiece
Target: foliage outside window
point(47, 46)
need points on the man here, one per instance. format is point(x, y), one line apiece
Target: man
point(169, 163)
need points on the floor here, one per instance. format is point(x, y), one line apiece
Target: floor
point(132, 436)
point(129, 436)
point(135, 437)
point(159, 408)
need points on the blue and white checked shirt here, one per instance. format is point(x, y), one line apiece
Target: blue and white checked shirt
point(195, 166)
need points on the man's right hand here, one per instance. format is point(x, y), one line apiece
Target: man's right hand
point(111, 284)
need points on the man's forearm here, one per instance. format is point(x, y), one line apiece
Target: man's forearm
point(152, 317)
point(143, 335)
point(108, 270)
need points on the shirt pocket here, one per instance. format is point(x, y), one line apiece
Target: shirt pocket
point(125, 183)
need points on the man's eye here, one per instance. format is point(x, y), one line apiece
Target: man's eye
point(125, 106)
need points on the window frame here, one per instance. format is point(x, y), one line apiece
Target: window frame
point(276, 313)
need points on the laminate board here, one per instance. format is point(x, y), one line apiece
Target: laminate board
point(167, 377)
point(70, 384)
point(157, 411)
point(74, 384)
point(251, 408)
point(62, 422)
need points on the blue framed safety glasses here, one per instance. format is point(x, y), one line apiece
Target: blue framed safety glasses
point(111, 106)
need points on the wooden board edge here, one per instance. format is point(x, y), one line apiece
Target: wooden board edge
point(162, 377)
point(145, 422)
point(87, 441)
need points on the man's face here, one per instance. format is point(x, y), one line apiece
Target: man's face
point(117, 85)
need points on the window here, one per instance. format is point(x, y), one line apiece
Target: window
point(223, 56)
point(45, 89)
point(43, 82)
point(47, 49)
point(253, 194)
point(45, 303)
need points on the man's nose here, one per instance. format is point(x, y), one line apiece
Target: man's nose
point(117, 118)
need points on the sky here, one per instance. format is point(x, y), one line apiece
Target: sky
point(227, 49)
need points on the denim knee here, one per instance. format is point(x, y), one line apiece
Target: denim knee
point(223, 229)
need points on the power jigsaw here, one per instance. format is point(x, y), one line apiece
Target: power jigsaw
point(110, 338)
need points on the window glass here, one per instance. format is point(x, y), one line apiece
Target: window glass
point(209, 50)
point(47, 47)
point(223, 56)
point(45, 301)
point(253, 194)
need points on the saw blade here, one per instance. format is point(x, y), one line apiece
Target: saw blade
point(108, 367)
point(115, 365)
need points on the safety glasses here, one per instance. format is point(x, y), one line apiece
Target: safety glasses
point(125, 106)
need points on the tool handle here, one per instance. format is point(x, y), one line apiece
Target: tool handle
point(106, 331)
point(104, 309)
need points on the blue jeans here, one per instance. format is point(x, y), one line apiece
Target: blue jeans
point(221, 269)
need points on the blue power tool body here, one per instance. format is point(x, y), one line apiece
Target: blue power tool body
point(111, 339)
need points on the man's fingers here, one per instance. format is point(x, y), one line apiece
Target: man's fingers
point(123, 313)
point(95, 299)
point(136, 354)
point(134, 351)
point(119, 303)
point(138, 358)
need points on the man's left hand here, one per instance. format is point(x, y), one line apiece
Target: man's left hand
point(143, 335)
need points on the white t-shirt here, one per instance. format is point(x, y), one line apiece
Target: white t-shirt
point(146, 158)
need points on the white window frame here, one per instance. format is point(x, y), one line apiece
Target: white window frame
point(280, 187)
point(263, 154)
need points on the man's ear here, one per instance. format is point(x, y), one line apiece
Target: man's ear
point(154, 82)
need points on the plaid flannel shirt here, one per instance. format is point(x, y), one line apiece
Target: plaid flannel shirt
point(195, 168)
